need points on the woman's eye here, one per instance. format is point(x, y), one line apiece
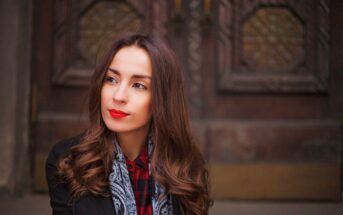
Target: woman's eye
point(139, 86)
point(111, 79)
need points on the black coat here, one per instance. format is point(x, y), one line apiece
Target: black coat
point(60, 199)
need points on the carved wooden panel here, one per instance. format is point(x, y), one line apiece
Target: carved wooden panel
point(195, 58)
point(82, 29)
point(160, 19)
point(104, 18)
point(272, 45)
point(272, 40)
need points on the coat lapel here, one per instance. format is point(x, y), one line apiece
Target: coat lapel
point(93, 205)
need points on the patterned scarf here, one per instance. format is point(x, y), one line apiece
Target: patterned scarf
point(122, 193)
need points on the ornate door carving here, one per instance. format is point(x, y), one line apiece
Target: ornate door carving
point(273, 46)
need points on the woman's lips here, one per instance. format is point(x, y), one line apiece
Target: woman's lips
point(117, 114)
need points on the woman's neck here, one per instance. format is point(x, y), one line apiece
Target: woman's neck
point(132, 143)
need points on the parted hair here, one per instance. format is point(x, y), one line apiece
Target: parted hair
point(176, 161)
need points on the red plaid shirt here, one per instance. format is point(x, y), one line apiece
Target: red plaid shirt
point(139, 175)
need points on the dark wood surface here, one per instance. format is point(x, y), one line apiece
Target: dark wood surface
point(283, 124)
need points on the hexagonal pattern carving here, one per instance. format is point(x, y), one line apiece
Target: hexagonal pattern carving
point(272, 46)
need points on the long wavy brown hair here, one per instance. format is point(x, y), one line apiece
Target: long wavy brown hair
point(176, 161)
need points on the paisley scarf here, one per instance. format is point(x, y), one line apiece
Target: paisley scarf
point(122, 193)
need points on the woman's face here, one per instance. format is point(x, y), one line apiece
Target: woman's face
point(126, 91)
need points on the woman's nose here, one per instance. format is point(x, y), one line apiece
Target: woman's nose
point(120, 94)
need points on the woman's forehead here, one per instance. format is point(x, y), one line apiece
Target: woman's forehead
point(132, 59)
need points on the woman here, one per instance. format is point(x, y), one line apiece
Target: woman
point(138, 155)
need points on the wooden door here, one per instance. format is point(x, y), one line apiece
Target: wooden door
point(270, 98)
point(263, 79)
point(265, 90)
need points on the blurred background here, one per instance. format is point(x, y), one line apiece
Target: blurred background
point(264, 83)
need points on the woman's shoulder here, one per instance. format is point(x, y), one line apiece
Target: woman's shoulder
point(62, 147)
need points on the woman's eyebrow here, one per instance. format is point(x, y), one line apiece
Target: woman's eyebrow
point(114, 71)
point(136, 76)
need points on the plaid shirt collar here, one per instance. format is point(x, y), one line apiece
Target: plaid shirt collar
point(141, 161)
point(139, 176)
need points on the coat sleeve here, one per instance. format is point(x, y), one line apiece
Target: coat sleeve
point(60, 200)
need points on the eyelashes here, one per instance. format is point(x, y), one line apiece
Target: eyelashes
point(110, 79)
point(113, 81)
point(139, 86)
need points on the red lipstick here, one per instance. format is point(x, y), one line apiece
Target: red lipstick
point(117, 114)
